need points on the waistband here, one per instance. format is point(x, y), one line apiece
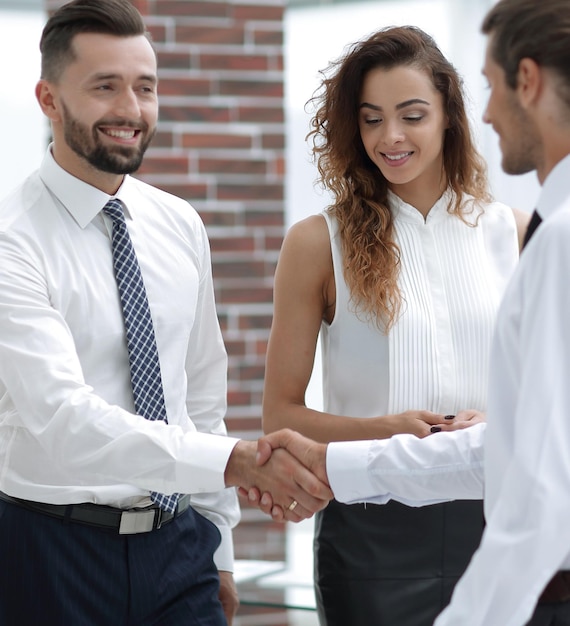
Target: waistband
point(124, 521)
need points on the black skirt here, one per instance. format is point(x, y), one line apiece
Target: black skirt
point(391, 565)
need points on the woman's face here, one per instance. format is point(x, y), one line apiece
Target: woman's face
point(402, 124)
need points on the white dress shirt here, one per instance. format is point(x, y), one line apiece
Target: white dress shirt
point(527, 459)
point(444, 466)
point(68, 429)
point(527, 438)
point(452, 276)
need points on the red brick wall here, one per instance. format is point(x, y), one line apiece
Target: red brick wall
point(220, 145)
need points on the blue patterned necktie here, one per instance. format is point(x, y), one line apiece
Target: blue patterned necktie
point(141, 343)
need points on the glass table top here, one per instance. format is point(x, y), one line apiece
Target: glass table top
point(274, 584)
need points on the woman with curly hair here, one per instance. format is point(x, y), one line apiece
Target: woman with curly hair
point(401, 276)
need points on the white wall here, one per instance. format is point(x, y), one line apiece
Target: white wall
point(24, 130)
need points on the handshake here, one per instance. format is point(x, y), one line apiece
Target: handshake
point(286, 474)
point(283, 473)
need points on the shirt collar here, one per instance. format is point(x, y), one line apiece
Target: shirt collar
point(410, 213)
point(554, 191)
point(82, 201)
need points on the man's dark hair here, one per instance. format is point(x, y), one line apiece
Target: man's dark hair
point(111, 17)
point(533, 29)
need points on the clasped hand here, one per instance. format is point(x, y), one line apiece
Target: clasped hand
point(287, 478)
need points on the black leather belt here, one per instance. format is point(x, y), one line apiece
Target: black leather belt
point(558, 589)
point(125, 522)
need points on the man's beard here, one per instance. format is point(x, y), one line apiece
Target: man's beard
point(519, 161)
point(112, 159)
point(520, 155)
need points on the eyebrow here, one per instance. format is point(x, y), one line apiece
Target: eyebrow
point(401, 105)
point(151, 78)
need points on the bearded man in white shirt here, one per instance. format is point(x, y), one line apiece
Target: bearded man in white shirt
point(85, 537)
point(521, 570)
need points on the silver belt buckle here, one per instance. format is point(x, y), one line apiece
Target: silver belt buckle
point(134, 522)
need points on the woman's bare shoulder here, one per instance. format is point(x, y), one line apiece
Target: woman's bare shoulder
point(308, 236)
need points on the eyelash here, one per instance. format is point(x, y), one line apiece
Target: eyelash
point(410, 119)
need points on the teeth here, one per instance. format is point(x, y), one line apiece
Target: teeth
point(122, 134)
point(397, 157)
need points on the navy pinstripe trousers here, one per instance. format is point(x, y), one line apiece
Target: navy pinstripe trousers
point(68, 574)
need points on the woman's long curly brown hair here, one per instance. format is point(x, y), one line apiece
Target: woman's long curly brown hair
point(371, 256)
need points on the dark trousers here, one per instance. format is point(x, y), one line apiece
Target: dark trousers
point(555, 614)
point(391, 565)
point(52, 572)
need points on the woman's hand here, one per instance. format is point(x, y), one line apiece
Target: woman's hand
point(465, 419)
point(420, 423)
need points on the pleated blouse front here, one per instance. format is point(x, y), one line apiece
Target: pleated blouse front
point(435, 357)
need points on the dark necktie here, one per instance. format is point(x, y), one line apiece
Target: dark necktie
point(532, 226)
point(146, 379)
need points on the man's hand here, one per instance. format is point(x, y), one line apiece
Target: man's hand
point(293, 486)
point(310, 453)
point(228, 596)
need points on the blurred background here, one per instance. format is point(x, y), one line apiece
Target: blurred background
point(235, 76)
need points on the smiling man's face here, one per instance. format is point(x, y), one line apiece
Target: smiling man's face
point(106, 105)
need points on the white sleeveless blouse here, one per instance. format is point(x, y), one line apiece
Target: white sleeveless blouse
point(436, 356)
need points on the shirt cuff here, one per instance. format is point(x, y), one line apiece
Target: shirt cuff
point(348, 472)
point(204, 462)
point(224, 555)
